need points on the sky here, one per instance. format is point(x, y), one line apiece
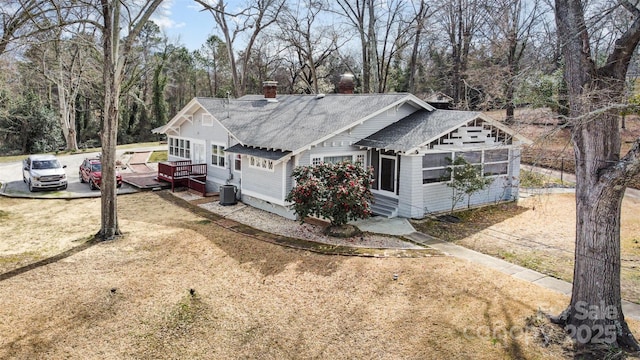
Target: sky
point(184, 23)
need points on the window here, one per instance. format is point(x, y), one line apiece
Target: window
point(435, 167)
point(496, 162)
point(180, 147)
point(436, 160)
point(237, 163)
point(260, 163)
point(217, 155)
point(496, 155)
point(472, 157)
point(338, 159)
point(207, 120)
point(358, 158)
point(496, 169)
point(435, 175)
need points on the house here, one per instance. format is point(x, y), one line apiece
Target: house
point(439, 100)
point(254, 142)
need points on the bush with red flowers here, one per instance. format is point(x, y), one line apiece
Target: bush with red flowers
point(337, 192)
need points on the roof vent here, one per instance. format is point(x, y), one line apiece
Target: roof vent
point(320, 96)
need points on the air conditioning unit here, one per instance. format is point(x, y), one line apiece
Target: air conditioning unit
point(228, 195)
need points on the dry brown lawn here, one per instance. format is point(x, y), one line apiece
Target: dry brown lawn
point(539, 233)
point(129, 298)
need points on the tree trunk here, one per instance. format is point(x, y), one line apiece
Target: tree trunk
point(594, 316)
point(109, 219)
point(114, 59)
point(413, 61)
point(595, 313)
point(509, 96)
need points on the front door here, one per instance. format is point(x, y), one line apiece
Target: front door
point(388, 173)
point(199, 153)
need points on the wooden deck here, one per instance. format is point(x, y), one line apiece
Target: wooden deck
point(184, 173)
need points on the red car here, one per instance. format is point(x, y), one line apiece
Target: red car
point(91, 172)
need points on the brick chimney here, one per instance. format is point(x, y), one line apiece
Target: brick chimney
point(270, 89)
point(346, 84)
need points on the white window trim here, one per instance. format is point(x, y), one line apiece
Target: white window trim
point(237, 157)
point(193, 153)
point(224, 156)
point(185, 148)
point(454, 154)
point(208, 118)
point(508, 162)
point(354, 156)
point(264, 163)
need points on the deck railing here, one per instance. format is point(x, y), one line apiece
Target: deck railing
point(184, 173)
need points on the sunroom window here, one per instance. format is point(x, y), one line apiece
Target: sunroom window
point(435, 167)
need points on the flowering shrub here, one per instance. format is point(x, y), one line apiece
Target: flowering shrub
point(337, 192)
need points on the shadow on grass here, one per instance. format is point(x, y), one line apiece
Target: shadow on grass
point(50, 260)
point(471, 221)
point(260, 251)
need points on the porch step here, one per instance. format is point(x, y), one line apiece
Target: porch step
point(384, 206)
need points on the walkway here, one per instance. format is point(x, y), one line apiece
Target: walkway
point(631, 310)
point(398, 226)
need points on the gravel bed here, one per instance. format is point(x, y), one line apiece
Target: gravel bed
point(276, 224)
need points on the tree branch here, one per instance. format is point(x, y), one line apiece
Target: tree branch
point(625, 46)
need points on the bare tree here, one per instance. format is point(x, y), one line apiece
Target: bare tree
point(384, 32)
point(115, 55)
point(461, 19)
point(311, 43)
point(392, 36)
point(511, 24)
point(595, 312)
point(66, 69)
point(361, 14)
point(421, 14)
point(255, 17)
point(20, 19)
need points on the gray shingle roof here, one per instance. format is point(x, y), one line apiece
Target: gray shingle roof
point(294, 121)
point(418, 128)
point(263, 153)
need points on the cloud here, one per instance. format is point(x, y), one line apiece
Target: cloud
point(163, 16)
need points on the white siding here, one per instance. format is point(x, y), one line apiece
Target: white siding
point(514, 168)
point(410, 204)
point(304, 158)
point(215, 134)
point(288, 179)
point(437, 197)
point(259, 182)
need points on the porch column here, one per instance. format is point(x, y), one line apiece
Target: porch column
point(411, 197)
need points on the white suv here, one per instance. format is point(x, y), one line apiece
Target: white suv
point(43, 172)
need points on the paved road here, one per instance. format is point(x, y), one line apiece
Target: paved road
point(11, 177)
point(570, 180)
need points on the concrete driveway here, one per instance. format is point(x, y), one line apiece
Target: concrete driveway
point(13, 185)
